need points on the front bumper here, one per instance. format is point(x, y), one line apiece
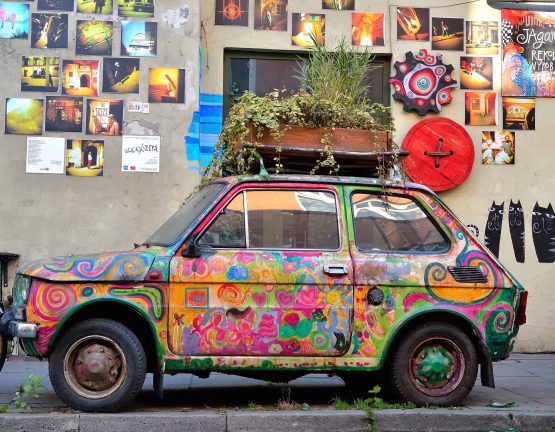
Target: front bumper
point(10, 327)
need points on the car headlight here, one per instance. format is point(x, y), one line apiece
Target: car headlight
point(25, 289)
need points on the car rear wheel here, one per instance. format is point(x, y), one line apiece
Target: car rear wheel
point(434, 364)
point(98, 365)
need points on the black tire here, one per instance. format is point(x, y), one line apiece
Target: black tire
point(98, 343)
point(3, 351)
point(435, 363)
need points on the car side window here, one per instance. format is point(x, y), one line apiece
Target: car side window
point(228, 229)
point(288, 219)
point(394, 224)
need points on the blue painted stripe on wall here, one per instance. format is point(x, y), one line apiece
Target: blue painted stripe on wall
point(211, 98)
point(204, 129)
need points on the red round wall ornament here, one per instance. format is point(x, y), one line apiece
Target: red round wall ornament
point(441, 154)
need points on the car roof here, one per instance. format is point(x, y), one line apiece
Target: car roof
point(323, 179)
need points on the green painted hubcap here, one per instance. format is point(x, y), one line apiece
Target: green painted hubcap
point(434, 365)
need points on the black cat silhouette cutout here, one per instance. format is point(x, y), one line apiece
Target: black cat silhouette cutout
point(492, 233)
point(516, 227)
point(543, 233)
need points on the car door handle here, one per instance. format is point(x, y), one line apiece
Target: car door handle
point(335, 269)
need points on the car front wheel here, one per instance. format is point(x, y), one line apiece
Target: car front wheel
point(434, 364)
point(98, 365)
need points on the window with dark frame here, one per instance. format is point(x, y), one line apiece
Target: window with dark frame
point(276, 219)
point(264, 71)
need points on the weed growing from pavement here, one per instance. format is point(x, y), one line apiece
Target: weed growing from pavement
point(30, 389)
point(283, 404)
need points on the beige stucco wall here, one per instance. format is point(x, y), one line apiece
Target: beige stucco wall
point(531, 179)
point(44, 215)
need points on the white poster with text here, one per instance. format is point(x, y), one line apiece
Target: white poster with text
point(45, 155)
point(140, 153)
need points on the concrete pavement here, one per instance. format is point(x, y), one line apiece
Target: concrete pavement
point(228, 403)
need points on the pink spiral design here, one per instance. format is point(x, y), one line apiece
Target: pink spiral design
point(52, 301)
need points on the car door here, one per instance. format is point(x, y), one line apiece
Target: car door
point(274, 276)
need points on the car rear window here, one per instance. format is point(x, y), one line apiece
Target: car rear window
point(394, 224)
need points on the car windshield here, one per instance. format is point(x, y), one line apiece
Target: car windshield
point(175, 226)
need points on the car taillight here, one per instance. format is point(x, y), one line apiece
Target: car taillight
point(521, 313)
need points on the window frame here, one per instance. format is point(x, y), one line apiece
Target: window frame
point(440, 228)
point(232, 196)
point(267, 54)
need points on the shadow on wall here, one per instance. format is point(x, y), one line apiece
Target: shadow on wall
point(204, 130)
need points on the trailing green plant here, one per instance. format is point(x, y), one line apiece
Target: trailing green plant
point(333, 95)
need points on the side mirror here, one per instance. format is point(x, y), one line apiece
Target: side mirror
point(191, 250)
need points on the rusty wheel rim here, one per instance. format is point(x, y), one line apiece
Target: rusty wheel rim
point(95, 367)
point(436, 366)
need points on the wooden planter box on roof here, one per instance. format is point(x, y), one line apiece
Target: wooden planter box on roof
point(301, 146)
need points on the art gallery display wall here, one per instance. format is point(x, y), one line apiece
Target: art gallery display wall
point(78, 187)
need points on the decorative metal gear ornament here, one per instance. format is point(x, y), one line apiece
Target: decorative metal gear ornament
point(422, 82)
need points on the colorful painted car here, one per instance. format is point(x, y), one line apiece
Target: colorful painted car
point(274, 278)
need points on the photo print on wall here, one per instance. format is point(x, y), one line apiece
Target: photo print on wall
point(480, 108)
point(270, 15)
point(482, 37)
point(528, 47)
point(56, 5)
point(519, 113)
point(94, 37)
point(139, 39)
point(120, 75)
point(64, 114)
point(136, 8)
point(84, 158)
point(498, 148)
point(367, 29)
point(49, 30)
point(80, 77)
point(413, 23)
point(104, 117)
point(476, 73)
point(306, 29)
point(15, 20)
point(40, 74)
point(166, 85)
point(24, 116)
point(338, 4)
point(104, 7)
point(447, 34)
point(232, 12)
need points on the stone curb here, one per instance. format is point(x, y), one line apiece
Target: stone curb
point(468, 420)
point(439, 420)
